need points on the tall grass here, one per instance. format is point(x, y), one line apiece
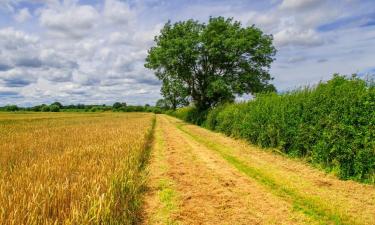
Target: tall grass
point(72, 168)
point(332, 125)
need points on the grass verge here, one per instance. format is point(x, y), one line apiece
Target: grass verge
point(308, 205)
point(166, 195)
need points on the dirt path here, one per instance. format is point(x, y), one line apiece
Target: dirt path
point(201, 177)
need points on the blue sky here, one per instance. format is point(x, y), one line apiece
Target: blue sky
point(92, 51)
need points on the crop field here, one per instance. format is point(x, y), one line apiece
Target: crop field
point(72, 168)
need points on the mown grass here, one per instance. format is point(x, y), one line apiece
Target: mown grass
point(332, 125)
point(309, 205)
point(167, 196)
point(69, 168)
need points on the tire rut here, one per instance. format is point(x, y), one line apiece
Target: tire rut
point(341, 202)
point(214, 192)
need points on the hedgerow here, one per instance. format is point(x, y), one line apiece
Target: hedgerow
point(332, 125)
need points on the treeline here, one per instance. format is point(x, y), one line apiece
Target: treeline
point(332, 125)
point(58, 107)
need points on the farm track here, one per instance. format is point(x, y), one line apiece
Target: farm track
point(201, 177)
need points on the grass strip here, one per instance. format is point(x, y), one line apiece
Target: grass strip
point(308, 206)
point(167, 195)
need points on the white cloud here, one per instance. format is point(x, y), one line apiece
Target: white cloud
point(118, 12)
point(17, 77)
point(11, 39)
point(119, 38)
point(6, 5)
point(299, 4)
point(53, 59)
point(22, 15)
point(297, 37)
point(266, 21)
point(295, 59)
point(71, 21)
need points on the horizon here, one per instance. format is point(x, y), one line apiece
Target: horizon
point(92, 52)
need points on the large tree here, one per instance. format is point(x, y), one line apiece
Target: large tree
point(174, 92)
point(212, 62)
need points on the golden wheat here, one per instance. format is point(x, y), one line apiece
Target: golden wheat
point(71, 168)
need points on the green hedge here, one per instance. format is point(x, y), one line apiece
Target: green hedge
point(189, 114)
point(332, 125)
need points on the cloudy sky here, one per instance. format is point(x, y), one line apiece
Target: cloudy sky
point(93, 51)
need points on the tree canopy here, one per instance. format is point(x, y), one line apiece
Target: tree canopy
point(210, 63)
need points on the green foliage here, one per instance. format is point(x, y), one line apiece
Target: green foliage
point(37, 108)
point(58, 104)
point(174, 92)
point(189, 114)
point(211, 63)
point(96, 109)
point(45, 108)
point(331, 125)
point(162, 104)
point(11, 108)
point(118, 105)
point(54, 108)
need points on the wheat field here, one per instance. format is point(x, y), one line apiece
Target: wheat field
point(72, 168)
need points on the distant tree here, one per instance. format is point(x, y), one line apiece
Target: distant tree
point(162, 104)
point(80, 106)
point(45, 108)
point(58, 104)
point(54, 108)
point(97, 109)
point(37, 108)
point(211, 63)
point(117, 105)
point(11, 108)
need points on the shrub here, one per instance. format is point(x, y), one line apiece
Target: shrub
point(11, 108)
point(331, 125)
point(45, 108)
point(54, 108)
point(96, 109)
point(189, 114)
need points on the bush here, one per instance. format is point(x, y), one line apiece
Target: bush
point(331, 125)
point(189, 114)
point(45, 108)
point(54, 108)
point(96, 109)
point(11, 108)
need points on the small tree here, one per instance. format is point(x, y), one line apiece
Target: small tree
point(54, 108)
point(11, 108)
point(45, 108)
point(58, 104)
point(117, 105)
point(162, 104)
point(211, 63)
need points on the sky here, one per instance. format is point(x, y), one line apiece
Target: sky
point(93, 51)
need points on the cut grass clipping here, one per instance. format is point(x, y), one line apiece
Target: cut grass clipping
point(307, 205)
